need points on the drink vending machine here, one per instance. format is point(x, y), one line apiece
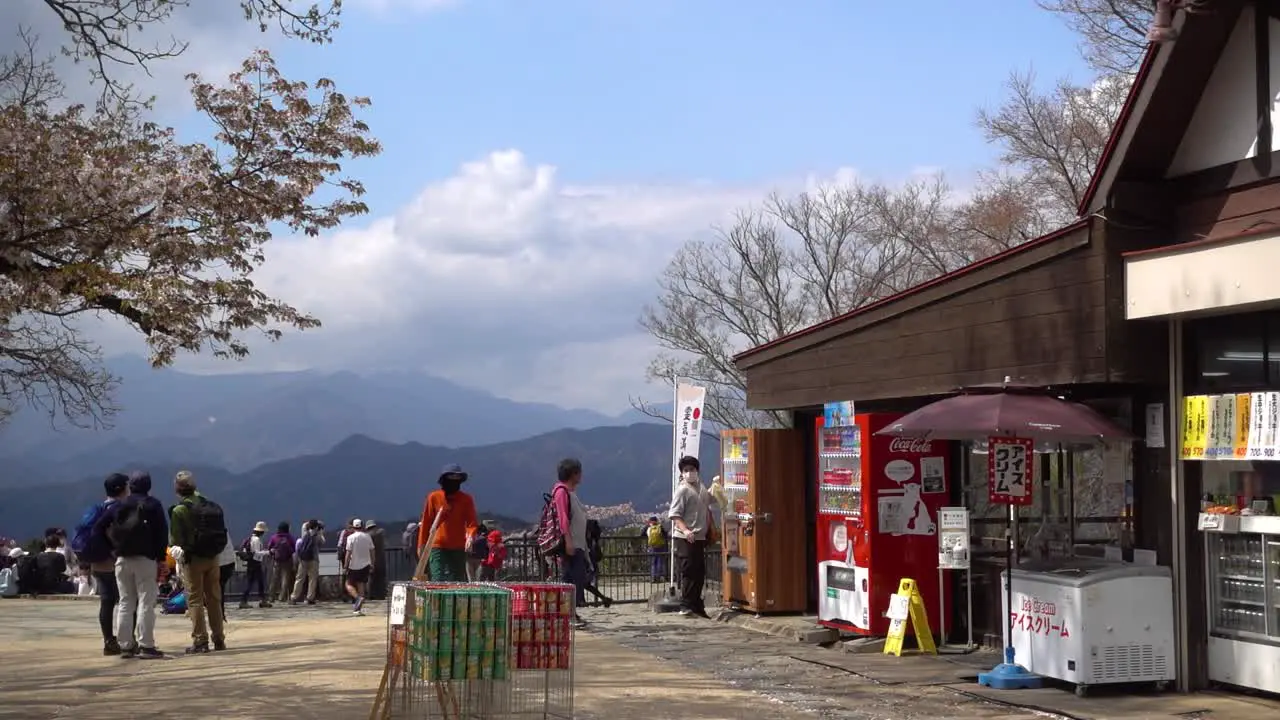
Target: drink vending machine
point(878, 502)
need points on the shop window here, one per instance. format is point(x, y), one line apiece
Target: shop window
point(1230, 354)
point(1241, 483)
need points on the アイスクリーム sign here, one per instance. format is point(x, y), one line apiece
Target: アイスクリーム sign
point(1039, 618)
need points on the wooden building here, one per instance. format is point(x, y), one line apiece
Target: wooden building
point(1175, 258)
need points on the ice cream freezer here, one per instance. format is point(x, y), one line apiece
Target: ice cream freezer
point(1092, 622)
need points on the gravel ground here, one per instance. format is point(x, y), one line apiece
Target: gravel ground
point(765, 666)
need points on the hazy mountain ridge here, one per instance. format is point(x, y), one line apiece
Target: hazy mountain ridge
point(241, 421)
point(365, 477)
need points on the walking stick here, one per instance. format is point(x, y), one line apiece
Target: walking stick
point(381, 709)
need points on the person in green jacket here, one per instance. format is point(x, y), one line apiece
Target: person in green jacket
point(199, 532)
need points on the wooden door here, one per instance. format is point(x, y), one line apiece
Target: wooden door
point(775, 549)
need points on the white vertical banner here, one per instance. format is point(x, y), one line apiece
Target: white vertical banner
point(688, 426)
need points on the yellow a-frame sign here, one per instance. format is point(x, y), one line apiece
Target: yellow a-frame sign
point(906, 606)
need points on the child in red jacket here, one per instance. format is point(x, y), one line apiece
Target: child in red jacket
point(492, 565)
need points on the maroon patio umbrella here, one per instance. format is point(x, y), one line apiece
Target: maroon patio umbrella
point(978, 413)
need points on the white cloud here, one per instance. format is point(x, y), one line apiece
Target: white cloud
point(501, 276)
point(216, 34)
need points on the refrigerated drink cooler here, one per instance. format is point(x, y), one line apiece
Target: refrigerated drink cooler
point(1242, 555)
point(762, 474)
point(1093, 622)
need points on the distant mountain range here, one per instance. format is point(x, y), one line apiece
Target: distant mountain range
point(241, 421)
point(363, 477)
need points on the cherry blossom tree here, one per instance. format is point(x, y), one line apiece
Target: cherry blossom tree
point(104, 213)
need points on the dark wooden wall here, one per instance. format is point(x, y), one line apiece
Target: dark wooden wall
point(1038, 317)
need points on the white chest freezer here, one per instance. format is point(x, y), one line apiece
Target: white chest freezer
point(1092, 622)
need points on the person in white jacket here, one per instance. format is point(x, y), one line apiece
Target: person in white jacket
point(254, 551)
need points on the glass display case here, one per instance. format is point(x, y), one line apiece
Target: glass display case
point(735, 474)
point(840, 458)
point(1240, 603)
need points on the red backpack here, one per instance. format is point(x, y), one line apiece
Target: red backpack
point(551, 539)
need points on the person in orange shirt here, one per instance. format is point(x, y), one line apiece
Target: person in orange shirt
point(447, 558)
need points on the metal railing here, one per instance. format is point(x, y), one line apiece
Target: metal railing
point(628, 572)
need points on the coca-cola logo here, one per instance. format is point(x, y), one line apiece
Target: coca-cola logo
point(910, 445)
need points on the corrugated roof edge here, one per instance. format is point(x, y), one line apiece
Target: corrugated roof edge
point(1043, 239)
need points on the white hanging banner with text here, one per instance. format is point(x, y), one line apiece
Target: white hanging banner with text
point(688, 425)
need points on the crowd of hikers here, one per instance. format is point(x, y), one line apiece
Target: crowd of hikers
point(136, 555)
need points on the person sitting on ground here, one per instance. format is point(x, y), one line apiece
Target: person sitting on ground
point(51, 569)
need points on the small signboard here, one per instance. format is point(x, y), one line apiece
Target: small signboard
point(1010, 470)
point(953, 538)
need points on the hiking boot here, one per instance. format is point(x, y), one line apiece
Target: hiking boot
point(129, 652)
point(149, 653)
point(264, 604)
point(197, 649)
point(219, 645)
point(110, 647)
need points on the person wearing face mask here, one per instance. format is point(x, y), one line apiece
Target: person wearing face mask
point(690, 521)
point(447, 558)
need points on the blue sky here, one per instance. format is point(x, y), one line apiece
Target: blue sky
point(545, 160)
point(742, 91)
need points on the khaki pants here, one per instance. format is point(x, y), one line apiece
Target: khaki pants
point(281, 582)
point(308, 579)
point(204, 591)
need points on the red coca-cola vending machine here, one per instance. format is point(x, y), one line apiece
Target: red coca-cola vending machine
point(878, 501)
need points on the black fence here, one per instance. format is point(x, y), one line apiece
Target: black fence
point(628, 572)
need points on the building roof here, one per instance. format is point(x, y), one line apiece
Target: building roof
point(1161, 101)
point(940, 280)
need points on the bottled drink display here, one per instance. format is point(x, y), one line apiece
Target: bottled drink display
point(1240, 581)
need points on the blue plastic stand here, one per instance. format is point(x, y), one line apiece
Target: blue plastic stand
point(1009, 675)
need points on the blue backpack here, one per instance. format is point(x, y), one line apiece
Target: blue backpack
point(84, 544)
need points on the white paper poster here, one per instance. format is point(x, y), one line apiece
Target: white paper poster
point(1213, 435)
point(1224, 424)
point(891, 515)
point(1257, 418)
point(1155, 425)
point(933, 474)
point(399, 599)
point(1270, 424)
point(688, 426)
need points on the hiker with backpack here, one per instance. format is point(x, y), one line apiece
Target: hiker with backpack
point(308, 554)
point(253, 551)
point(562, 531)
point(656, 538)
point(456, 511)
point(199, 536)
point(139, 532)
point(477, 551)
point(280, 549)
point(91, 544)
